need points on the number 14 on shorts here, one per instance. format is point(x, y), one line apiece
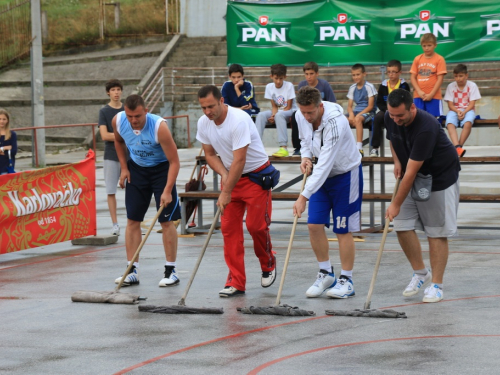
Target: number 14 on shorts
point(341, 222)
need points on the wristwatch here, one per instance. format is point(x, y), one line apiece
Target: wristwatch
point(1, 149)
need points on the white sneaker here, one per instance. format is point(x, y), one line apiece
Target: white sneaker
point(374, 153)
point(323, 282)
point(433, 293)
point(268, 277)
point(131, 279)
point(170, 278)
point(230, 291)
point(116, 230)
point(416, 283)
point(343, 289)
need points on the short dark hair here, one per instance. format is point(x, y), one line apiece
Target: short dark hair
point(358, 66)
point(207, 90)
point(394, 64)
point(133, 101)
point(460, 69)
point(278, 70)
point(113, 83)
point(311, 65)
point(398, 97)
point(236, 68)
point(308, 95)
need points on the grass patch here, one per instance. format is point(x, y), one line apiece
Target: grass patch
point(76, 22)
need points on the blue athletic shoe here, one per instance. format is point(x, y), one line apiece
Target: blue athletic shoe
point(343, 288)
point(433, 293)
point(324, 281)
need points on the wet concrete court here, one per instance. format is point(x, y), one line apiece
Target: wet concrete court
point(43, 332)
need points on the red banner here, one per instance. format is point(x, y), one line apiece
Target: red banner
point(46, 206)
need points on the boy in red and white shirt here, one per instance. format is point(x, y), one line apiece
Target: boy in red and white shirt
point(461, 96)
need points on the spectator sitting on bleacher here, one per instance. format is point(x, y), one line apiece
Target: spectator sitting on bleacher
point(282, 96)
point(385, 88)
point(361, 93)
point(238, 92)
point(311, 73)
point(461, 96)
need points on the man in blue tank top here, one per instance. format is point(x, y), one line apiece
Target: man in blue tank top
point(152, 169)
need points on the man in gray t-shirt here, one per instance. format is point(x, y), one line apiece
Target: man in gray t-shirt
point(311, 73)
point(114, 89)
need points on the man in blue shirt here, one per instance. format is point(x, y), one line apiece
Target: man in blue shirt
point(239, 93)
point(152, 169)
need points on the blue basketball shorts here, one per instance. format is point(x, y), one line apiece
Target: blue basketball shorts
point(433, 106)
point(341, 195)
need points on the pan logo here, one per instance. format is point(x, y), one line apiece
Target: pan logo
point(491, 27)
point(264, 33)
point(342, 31)
point(342, 18)
point(409, 30)
point(425, 15)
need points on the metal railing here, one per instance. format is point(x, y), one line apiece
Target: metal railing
point(94, 141)
point(41, 128)
point(174, 82)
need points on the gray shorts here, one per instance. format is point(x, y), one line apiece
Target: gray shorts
point(437, 217)
point(112, 172)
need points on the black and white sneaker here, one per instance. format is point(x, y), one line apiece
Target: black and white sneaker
point(230, 291)
point(131, 279)
point(268, 277)
point(170, 278)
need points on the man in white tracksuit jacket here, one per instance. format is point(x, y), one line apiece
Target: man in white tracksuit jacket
point(335, 185)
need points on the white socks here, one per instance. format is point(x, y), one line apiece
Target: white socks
point(326, 265)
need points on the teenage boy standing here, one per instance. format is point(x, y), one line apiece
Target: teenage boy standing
point(114, 89)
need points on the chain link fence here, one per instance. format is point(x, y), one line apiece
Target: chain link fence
point(15, 31)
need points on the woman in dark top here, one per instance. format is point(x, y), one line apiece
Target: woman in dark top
point(8, 142)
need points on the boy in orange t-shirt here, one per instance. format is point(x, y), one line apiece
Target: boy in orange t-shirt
point(427, 73)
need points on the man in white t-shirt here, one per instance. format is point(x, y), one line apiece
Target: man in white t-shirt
point(233, 149)
point(281, 93)
point(461, 96)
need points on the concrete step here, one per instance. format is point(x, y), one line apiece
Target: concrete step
point(26, 147)
point(218, 61)
point(203, 40)
point(103, 71)
point(120, 50)
point(79, 113)
point(191, 52)
point(175, 64)
point(66, 83)
point(59, 95)
point(183, 61)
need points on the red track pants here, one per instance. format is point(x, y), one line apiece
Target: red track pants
point(258, 204)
